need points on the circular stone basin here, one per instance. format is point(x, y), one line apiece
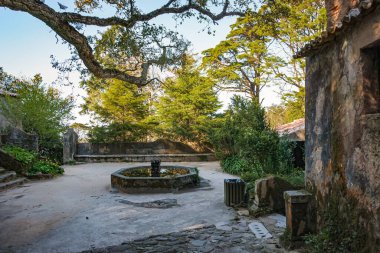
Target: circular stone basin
point(138, 179)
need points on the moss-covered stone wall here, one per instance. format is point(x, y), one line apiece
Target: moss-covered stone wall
point(343, 124)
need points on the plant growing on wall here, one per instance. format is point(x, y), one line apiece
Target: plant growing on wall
point(42, 110)
point(32, 160)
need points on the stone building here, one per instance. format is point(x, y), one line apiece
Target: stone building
point(343, 118)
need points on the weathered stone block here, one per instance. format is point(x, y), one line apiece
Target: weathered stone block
point(269, 193)
point(296, 203)
point(19, 138)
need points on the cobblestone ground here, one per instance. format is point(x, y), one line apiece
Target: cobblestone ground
point(233, 237)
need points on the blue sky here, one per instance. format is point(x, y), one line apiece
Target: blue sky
point(26, 44)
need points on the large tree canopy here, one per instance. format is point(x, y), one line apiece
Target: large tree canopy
point(160, 47)
point(242, 62)
point(260, 46)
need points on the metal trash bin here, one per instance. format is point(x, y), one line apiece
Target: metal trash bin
point(234, 190)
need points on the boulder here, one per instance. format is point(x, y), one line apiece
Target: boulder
point(269, 193)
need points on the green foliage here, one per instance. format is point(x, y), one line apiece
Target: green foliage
point(188, 104)
point(247, 145)
point(234, 165)
point(276, 115)
point(294, 24)
point(20, 154)
point(294, 104)
point(127, 49)
point(295, 177)
point(41, 110)
point(30, 158)
point(7, 81)
point(120, 107)
point(242, 62)
point(342, 231)
point(115, 132)
point(291, 108)
point(46, 167)
point(259, 51)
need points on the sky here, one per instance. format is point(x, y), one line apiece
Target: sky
point(26, 45)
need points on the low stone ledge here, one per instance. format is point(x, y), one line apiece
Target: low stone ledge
point(146, 158)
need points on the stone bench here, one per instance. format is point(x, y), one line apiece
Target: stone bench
point(146, 158)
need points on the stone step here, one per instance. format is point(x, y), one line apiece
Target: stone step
point(7, 176)
point(12, 184)
point(2, 170)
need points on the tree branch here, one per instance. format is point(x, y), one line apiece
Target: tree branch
point(166, 9)
point(60, 23)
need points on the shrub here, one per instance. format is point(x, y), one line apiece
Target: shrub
point(20, 154)
point(46, 167)
point(42, 110)
point(296, 177)
point(31, 159)
point(247, 146)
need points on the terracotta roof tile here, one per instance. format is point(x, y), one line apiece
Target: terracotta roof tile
point(292, 126)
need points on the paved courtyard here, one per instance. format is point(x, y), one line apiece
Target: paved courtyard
point(80, 212)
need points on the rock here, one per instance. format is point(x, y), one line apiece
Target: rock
point(224, 227)
point(243, 212)
point(198, 243)
point(269, 193)
point(161, 204)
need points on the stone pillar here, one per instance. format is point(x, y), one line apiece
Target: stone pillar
point(70, 140)
point(296, 207)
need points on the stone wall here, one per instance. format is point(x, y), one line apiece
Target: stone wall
point(343, 123)
point(135, 148)
point(17, 137)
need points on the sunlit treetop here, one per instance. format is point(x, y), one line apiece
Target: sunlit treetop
point(129, 36)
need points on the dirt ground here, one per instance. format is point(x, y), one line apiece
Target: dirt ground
point(79, 210)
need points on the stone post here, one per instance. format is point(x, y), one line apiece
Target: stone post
point(296, 208)
point(70, 140)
